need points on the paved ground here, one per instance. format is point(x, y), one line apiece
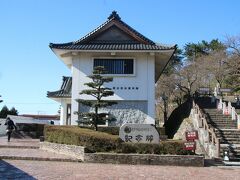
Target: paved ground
point(25, 169)
point(27, 149)
point(19, 169)
point(32, 154)
point(19, 142)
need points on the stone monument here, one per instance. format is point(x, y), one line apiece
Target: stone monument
point(139, 133)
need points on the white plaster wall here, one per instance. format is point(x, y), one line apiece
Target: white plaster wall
point(143, 79)
point(63, 113)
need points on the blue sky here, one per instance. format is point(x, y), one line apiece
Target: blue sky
point(28, 68)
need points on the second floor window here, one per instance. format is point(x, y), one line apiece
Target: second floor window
point(116, 66)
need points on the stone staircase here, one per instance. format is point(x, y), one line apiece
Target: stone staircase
point(220, 121)
point(225, 128)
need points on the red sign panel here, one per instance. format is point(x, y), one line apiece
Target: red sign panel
point(190, 146)
point(191, 135)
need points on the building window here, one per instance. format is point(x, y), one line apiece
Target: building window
point(115, 66)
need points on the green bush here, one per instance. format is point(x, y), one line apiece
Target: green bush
point(32, 130)
point(95, 141)
point(164, 147)
point(109, 130)
point(115, 130)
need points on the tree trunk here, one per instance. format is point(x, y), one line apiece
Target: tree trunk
point(96, 119)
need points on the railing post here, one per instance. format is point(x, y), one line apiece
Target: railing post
point(229, 107)
point(223, 107)
point(218, 147)
point(238, 121)
point(215, 92)
point(212, 138)
point(213, 99)
point(220, 104)
point(233, 113)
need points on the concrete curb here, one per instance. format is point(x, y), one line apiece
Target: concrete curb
point(39, 159)
point(19, 147)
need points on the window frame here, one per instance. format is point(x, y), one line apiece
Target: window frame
point(118, 75)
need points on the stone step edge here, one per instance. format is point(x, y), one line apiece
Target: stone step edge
point(227, 130)
point(39, 159)
point(231, 163)
point(19, 147)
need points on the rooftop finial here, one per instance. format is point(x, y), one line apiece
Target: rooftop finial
point(114, 15)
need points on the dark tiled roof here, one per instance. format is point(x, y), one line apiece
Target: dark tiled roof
point(65, 91)
point(110, 46)
point(85, 42)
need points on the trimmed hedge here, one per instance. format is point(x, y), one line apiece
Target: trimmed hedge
point(109, 130)
point(164, 147)
point(96, 141)
point(115, 130)
point(32, 130)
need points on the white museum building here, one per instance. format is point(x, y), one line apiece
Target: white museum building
point(134, 61)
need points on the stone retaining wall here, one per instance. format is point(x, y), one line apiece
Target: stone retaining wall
point(147, 159)
point(113, 158)
point(70, 150)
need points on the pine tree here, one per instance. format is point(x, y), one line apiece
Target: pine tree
point(0, 99)
point(13, 111)
point(4, 112)
point(98, 91)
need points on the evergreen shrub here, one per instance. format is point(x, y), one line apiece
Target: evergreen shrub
point(96, 141)
point(164, 147)
point(115, 130)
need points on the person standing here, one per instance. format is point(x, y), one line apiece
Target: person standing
point(10, 126)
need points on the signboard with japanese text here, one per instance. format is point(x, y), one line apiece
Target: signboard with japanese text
point(190, 146)
point(191, 135)
point(139, 133)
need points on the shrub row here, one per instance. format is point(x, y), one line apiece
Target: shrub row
point(115, 130)
point(102, 142)
point(32, 130)
point(164, 147)
point(93, 141)
point(109, 130)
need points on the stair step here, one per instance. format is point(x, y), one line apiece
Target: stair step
point(224, 123)
point(229, 141)
point(225, 127)
point(228, 133)
point(228, 136)
point(230, 150)
point(232, 162)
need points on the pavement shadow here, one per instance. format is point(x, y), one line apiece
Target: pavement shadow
point(213, 162)
point(8, 171)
